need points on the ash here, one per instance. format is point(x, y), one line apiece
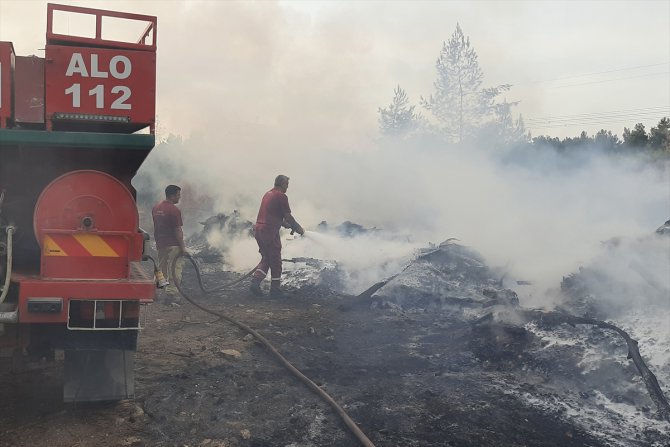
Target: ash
point(429, 348)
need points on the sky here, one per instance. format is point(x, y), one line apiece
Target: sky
point(254, 89)
point(309, 67)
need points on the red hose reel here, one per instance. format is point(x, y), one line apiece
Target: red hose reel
point(86, 223)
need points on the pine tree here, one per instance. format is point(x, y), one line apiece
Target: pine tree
point(604, 139)
point(637, 138)
point(659, 136)
point(460, 104)
point(509, 131)
point(398, 118)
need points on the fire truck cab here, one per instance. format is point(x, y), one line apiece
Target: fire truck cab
point(75, 126)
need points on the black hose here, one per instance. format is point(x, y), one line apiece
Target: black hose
point(357, 432)
point(197, 272)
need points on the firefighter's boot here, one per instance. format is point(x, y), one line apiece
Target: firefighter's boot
point(276, 291)
point(255, 286)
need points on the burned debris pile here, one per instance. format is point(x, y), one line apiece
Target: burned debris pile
point(569, 365)
point(454, 280)
point(447, 275)
point(207, 245)
point(317, 275)
point(629, 287)
point(628, 275)
point(347, 229)
point(664, 229)
point(212, 246)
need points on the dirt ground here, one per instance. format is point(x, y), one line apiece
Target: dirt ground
point(407, 379)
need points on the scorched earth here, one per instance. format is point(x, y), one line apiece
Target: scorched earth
point(438, 354)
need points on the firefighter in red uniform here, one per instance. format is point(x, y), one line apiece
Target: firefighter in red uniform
point(169, 236)
point(273, 214)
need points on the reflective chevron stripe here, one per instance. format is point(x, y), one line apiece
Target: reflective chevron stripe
point(84, 244)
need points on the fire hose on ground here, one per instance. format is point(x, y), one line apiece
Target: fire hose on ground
point(351, 425)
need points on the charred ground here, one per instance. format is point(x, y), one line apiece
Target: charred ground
point(411, 368)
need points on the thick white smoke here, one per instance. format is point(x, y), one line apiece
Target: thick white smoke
point(259, 89)
point(540, 216)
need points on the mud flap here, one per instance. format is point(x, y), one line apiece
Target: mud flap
point(97, 375)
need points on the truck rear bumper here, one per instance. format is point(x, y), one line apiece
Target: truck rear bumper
point(43, 300)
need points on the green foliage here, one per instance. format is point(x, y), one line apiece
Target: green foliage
point(460, 105)
point(504, 129)
point(637, 138)
point(398, 118)
point(459, 78)
point(659, 136)
point(605, 140)
point(462, 110)
point(655, 144)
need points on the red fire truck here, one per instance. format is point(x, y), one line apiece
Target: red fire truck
point(75, 126)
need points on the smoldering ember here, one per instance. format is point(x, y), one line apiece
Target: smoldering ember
point(431, 347)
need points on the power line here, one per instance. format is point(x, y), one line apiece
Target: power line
point(611, 80)
point(653, 109)
point(591, 74)
point(598, 118)
point(605, 118)
point(580, 125)
point(591, 123)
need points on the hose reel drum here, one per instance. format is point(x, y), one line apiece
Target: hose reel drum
point(86, 225)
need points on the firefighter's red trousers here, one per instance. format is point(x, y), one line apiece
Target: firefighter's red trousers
point(269, 246)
